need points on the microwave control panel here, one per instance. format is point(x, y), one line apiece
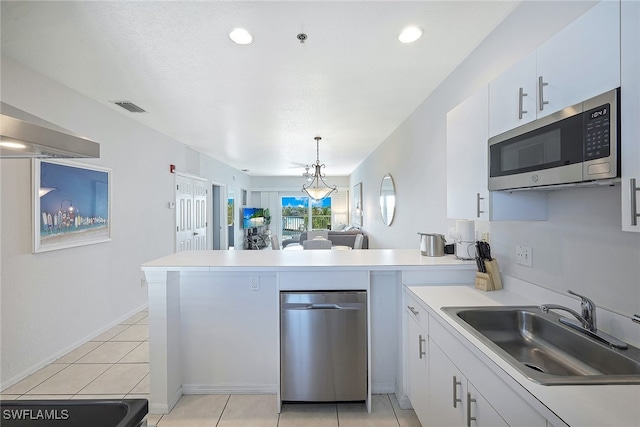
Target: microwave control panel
point(597, 131)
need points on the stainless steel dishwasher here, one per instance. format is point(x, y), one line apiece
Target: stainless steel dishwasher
point(323, 346)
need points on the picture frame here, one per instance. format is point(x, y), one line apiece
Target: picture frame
point(71, 204)
point(357, 214)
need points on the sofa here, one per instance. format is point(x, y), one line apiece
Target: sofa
point(342, 238)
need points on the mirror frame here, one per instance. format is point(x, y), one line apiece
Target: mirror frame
point(388, 214)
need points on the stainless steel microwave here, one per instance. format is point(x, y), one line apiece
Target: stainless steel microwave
point(574, 145)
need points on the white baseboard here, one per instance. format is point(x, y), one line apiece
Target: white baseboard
point(230, 388)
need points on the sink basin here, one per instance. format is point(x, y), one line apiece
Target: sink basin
point(546, 351)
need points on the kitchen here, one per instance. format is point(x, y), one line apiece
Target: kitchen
point(560, 244)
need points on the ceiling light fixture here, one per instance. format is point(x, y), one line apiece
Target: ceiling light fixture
point(240, 36)
point(410, 34)
point(306, 175)
point(314, 189)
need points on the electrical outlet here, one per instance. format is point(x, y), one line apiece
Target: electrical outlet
point(143, 282)
point(255, 283)
point(524, 256)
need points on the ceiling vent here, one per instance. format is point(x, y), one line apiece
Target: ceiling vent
point(129, 106)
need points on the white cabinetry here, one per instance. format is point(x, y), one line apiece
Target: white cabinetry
point(630, 111)
point(417, 358)
point(454, 401)
point(449, 385)
point(580, 62)
point(468, 196)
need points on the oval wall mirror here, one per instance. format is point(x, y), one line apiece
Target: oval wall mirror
point(387, 199)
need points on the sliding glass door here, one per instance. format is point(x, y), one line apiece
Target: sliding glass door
point(300, 213)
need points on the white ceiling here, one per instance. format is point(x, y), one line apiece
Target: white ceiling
point(255, 107)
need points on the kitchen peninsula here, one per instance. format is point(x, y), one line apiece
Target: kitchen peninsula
point(214, 315)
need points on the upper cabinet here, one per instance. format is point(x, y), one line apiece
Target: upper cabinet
point(630, 111)
point(468, 196)
point(578, 63)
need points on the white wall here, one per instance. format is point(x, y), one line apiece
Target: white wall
point(579, 221)
point(54, 301)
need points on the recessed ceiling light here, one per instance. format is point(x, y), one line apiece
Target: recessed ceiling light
point(410, 34)
point(240, 36)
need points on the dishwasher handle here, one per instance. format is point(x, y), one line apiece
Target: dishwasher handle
point(321, 306)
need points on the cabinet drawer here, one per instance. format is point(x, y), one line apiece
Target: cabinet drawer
point(416, 311)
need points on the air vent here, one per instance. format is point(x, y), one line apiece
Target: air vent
point(129, 106)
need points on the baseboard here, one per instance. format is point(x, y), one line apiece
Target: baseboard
point(24, 374)
point(383, 388)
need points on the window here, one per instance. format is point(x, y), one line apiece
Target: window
point(301, 213)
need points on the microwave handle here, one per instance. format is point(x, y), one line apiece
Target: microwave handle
point(541, 85)
point(633, 189)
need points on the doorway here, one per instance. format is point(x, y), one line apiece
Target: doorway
point(191, 213)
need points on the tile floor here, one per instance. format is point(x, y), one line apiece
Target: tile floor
point(115, 365)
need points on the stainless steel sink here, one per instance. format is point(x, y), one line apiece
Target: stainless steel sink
point(545, 350)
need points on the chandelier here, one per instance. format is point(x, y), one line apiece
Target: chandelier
point(315, 189)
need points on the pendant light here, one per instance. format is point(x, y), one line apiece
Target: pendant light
point(318, 189)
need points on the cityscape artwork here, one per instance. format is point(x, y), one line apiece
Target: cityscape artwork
point(72, 205)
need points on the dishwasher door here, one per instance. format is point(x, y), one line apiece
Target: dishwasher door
point(323, 346)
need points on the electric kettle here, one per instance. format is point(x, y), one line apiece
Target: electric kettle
point(432, 244)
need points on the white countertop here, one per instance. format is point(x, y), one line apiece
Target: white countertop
point(369, 259)
point(583, 405)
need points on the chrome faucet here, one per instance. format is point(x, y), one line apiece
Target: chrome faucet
point(587, 321)
point(588, 317)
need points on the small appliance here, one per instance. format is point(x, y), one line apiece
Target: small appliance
point(575, 145)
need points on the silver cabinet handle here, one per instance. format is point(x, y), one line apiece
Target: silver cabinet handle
point(541, 85)
point(634, 201)
point(469, 417)
point(413, 310)
point(456, 383)
point(521, 95)
point(478, 198)
point(420, 350)
point(636, 318)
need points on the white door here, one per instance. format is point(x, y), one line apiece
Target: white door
point(191, 213)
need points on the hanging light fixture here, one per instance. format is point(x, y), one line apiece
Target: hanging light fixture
point(315, 189)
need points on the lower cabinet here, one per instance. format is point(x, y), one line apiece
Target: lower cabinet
point(450, 386)
point(418, 379)
point(453, 400)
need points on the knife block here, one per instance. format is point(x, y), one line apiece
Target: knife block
point(489, 281)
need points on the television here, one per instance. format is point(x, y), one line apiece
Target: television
point(252, 217)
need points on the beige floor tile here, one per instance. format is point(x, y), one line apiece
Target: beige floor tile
point(9, 396)
point(45, 397)
point(70, 380)
point(135, 318)
point(309, 415)
point(107, 335)
point(133, 333)
point(35, 379)
point(98, 396)
point(109, 352)
point(196, 411)
point(144, 321)
point(406, 417)
point(79, 352)
point(153, 420)
point(120, 378)
point(355, 414)
point(140, 354)
point(250, 410)
point(142, 387)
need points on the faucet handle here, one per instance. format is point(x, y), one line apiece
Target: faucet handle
point(588, 309)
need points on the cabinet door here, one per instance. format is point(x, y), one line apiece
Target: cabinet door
point(630, 111)
point(582, 60)
point(479, 411)
point(447, 390)
point(418, 374)
point(512, 97)
point(467, 136)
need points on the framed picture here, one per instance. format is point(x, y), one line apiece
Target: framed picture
point(356, 214)
point(71, 205)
